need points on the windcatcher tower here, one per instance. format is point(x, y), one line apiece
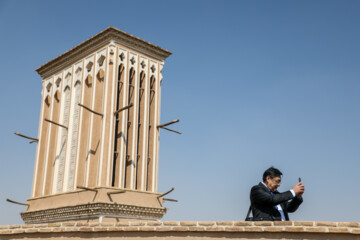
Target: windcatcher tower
point(97, 151)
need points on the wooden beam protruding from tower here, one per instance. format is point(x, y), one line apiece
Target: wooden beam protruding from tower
point(86, 188)
point(169, 123)
point(19, 203)
point(58, 124)
point(124, 108)
point(24, 136)
point(89, 189)
point(172, 189)
point(100, 114)
point(171, 130)
point(116, 192)
point(170, 199)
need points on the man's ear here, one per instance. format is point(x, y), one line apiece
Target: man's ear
point(268, 178)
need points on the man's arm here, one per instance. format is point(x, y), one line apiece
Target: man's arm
point(293, 205)
point(261, 196)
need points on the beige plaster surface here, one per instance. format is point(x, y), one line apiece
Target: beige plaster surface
point(52, 145)
point(139, 198)
point(83, 149)
point(38, 178)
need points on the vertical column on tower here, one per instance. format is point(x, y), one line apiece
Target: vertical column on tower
point(51, 157)
point(43, 138)
point(96, 120)
point(59, 165)
point(73, 129)
point(143, 125)
point(133, 91)
point(121, 119)
point(108, 118)
point(152, 137)
point(84, 126)
point(157, 137)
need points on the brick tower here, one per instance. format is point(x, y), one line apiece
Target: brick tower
point(97, 151)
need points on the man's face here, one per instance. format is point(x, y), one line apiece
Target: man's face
point(273, 183)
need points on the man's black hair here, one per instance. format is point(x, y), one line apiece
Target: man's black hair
point(272, 172)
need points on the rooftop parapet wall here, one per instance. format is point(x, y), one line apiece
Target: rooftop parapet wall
point(184, 230)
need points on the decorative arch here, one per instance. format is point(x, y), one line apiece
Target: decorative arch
point(57, 95)
point(100, 75)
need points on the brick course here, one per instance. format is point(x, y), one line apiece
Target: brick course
point(349, 228)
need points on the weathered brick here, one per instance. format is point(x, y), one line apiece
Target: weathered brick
point(68, 224)
point(243, 223)
point(4, 227)
point(18, 231)
point(122, 224)
point(263, 223)
point(273, 229)
point(294, 229)
point(31, 230)
point(225, 223)
point(82, 224)
point(14, 226)
point(71, 229)
point(315, 229)
point(215, 229)
point(196, 229)
point(107, 224)
point(27, 226)
point(55, 230)
point(5, 232)
point(163, 229)
point(180, 229)
point(100, 229)
point(147, 229)
point(86, 229)
point(116, 229)
point(41, 225)
point(338, 230)
point(154, 223)
point(234, 229)
point(355, 231)
point(283, 223)
point(304, 223)
point(253, 229)
point(206, 223)
point(93, 224)
point(171, 223)
point(348, 224)
point(325, 224)
point(44, 230)
point(137, 223)
point(188, 223)
point(132, 229)
point(54, 225)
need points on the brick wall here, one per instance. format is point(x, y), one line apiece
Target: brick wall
point(184, 230)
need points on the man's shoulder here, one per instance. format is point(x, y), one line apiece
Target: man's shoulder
point(257, 187)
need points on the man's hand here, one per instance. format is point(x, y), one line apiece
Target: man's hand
point(299, 189)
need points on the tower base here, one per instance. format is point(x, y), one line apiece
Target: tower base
point(96, 204)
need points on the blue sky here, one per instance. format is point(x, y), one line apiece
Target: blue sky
point(254, 83)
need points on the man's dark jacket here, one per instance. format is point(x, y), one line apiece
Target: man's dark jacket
point(263, 203)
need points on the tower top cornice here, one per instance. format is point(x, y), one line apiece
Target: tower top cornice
point(109, 35)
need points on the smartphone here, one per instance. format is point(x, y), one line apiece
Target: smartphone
point(299, 179)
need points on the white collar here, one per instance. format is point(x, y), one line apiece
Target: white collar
point(267, 187)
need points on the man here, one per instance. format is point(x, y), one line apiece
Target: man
point(268, 204)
